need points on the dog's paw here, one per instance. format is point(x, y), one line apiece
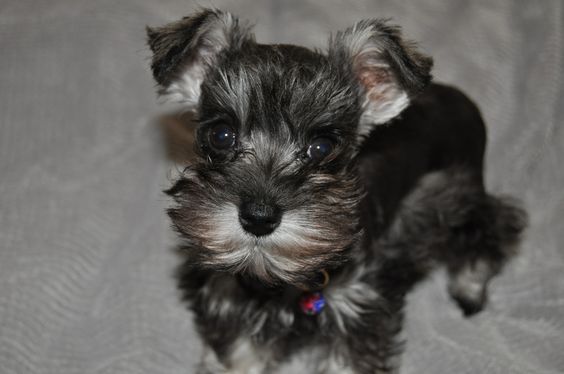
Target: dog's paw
point(468, 287)
point(470, 304)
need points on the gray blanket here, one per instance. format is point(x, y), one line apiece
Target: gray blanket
point(86, 255)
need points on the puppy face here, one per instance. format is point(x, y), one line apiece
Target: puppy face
point(275, 191)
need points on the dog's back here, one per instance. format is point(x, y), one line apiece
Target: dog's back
point(426, 202)
point(441, 129)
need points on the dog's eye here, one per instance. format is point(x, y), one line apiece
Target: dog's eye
point(320, 148)
point(222, 137)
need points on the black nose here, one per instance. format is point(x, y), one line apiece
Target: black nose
point(259, 218)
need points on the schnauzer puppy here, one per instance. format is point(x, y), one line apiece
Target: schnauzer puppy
point(326, 185)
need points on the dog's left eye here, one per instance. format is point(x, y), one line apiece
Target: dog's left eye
point(222, 137)
point(320, 148)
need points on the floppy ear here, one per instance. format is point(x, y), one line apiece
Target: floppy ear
point(184, 51)
point(388, 69)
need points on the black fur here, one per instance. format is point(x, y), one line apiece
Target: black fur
point(383, 209)
point(177, 43)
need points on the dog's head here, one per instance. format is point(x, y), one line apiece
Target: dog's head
point(275, 190)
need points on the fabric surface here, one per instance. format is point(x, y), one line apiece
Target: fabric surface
point(86, 257)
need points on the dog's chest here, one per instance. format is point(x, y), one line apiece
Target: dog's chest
point(279, 316)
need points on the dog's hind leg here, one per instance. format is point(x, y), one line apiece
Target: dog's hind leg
point(448, 219)
point(479, 245)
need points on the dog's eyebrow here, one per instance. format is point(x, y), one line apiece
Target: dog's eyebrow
point(223, 115)
point(325, 128)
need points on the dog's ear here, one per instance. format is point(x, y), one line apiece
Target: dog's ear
point(184, 51)
point(388, 70)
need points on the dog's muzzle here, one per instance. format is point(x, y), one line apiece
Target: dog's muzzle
point(259, 218)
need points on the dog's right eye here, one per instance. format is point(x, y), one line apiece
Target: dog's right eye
point(320, 148)
point(222, 137)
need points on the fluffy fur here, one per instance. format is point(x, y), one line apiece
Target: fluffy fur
point(400, 193)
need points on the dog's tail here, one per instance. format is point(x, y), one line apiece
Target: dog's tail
point(509, 221)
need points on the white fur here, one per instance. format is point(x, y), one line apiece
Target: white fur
point(183, 93)
point(236, 89)
point(263, 149)
point(382, 111)
point(330, 364)
point(324, 360)
point(384, 100)
point(350, 299)
point(245, 358)
point(471, 281)
point(241, 250)
point(209, 363)
point(211, 39)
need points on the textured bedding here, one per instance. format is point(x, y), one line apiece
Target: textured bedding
point(86, 252)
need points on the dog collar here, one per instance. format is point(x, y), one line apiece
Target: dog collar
point(313, 302)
